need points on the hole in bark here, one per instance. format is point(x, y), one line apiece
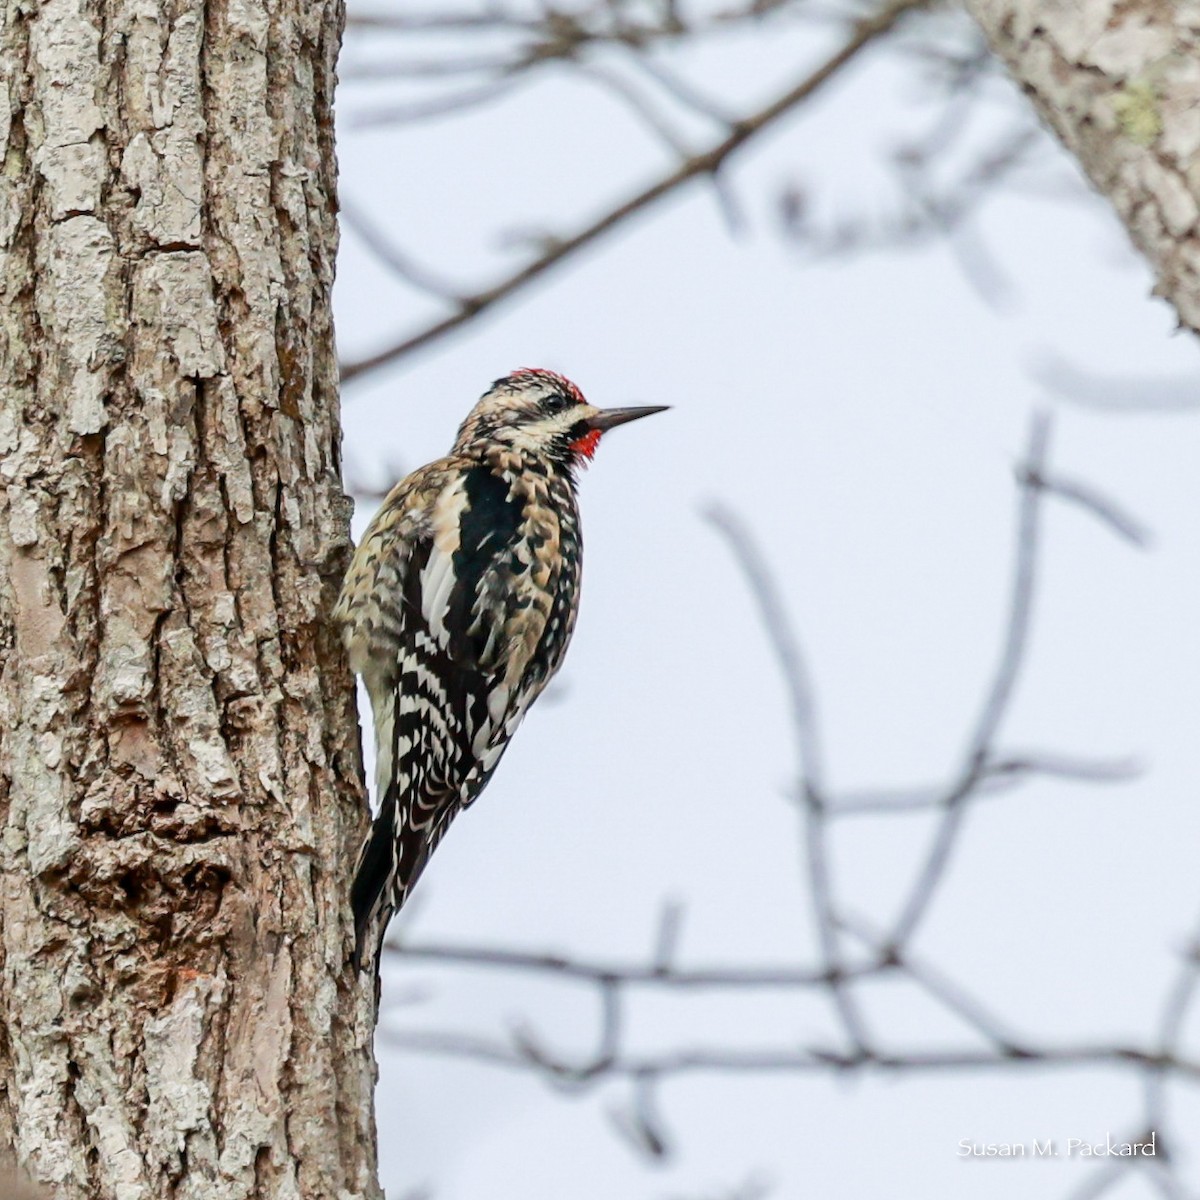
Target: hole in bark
point(262, 1163)
point(205, 885)
point(132, 887)
point(207, 876)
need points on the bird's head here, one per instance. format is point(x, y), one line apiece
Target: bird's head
point(541, 414)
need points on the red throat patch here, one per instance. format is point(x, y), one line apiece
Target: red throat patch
point(585, 446)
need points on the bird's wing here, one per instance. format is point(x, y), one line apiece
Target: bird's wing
point(444, 609)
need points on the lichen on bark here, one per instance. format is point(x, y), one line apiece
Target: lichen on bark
point(1119, 83)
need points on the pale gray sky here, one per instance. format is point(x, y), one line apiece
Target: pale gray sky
point(864, 415)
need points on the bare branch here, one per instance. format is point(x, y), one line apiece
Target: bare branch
point(792, 666)
point(698, 165)
point(999, 694)
point(788, 1060)
point(949, 994)
point(634, 974)
point(997, 777)
point(1113, 393)
point(811, 785)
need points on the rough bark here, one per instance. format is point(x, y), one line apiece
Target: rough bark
point(179, 776)
point(1119, 82)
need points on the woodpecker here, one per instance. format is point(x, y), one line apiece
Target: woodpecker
point(456, 610)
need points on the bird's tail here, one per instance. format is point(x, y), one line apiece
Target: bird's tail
point(371, 896)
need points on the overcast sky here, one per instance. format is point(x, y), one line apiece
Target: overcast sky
point(864, 416)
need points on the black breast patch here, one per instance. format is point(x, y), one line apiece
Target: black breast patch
point(487, 534)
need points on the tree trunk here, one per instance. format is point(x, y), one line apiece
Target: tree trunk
point(1119, 82)
point(179, 770)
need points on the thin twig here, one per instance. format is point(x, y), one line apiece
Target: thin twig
point(1177, 1004)
point(1123, 524)
point(637, 103)
point(684, 92)
point(441, 22)
point(439, 106)
point(640, 1122)
point(391, 257)
point(392, 70)
point(996, 778)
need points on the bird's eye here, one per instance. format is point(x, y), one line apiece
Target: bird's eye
point(557, 402)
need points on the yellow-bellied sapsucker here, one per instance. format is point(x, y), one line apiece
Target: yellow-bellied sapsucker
point(457, 609)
